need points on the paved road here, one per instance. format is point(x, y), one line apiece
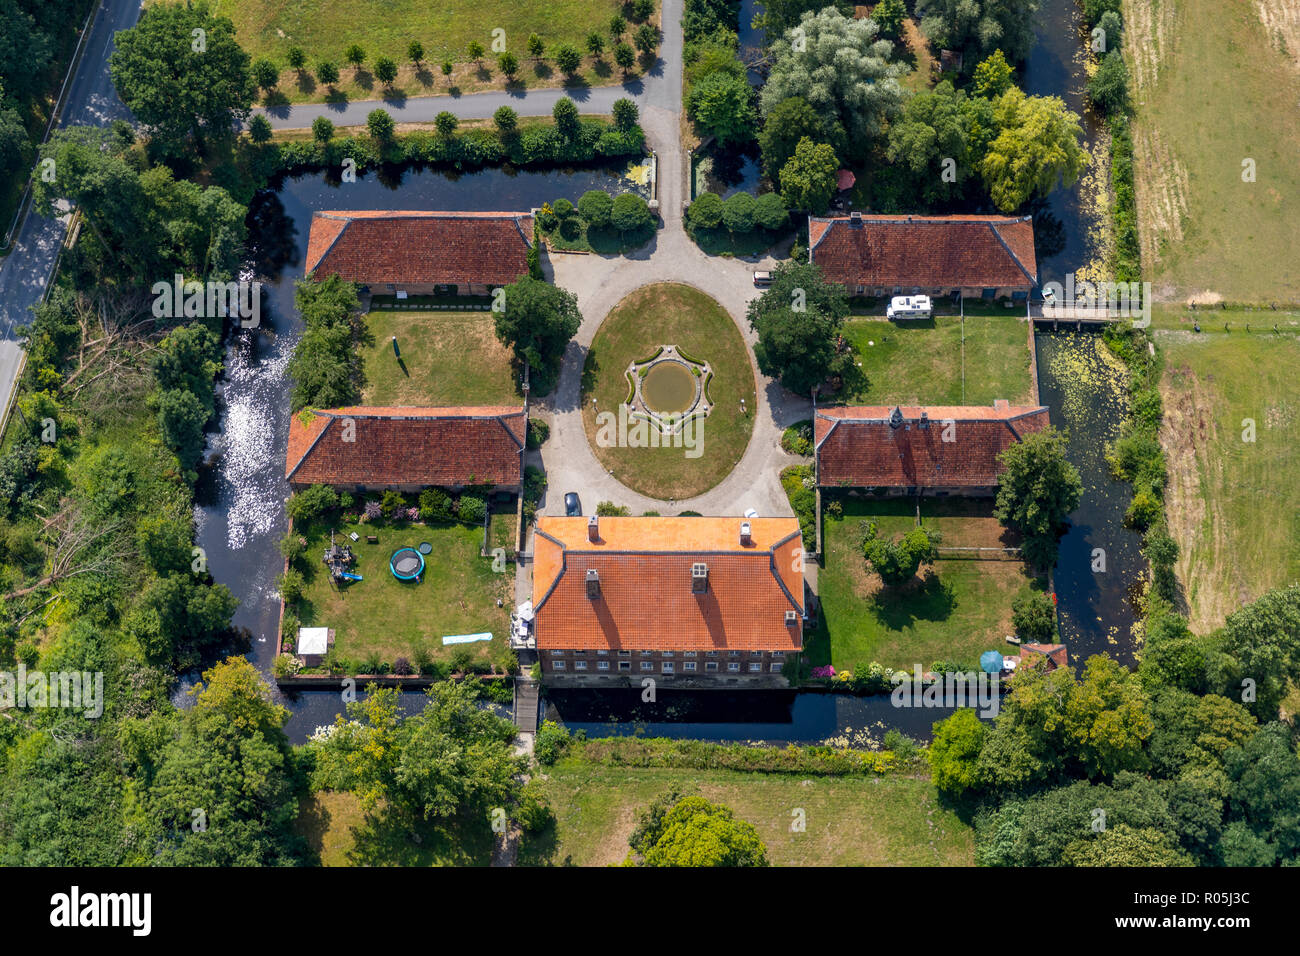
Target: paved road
point(26, 270)
point(659, 88)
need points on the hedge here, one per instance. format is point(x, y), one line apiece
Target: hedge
point(704, 755)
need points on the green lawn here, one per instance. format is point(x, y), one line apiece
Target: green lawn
point(337, 830)
point(670, 314)
point(922, 362)
point(1233, 505)
point(851, 821)
point(383, 616)
point(1206, 101)
point(448, 358)
point(960, 610)
point(325, 28)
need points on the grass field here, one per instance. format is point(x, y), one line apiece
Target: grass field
point(325, 28)
point(923, 362)
point(448, 358)
point(954, 614)
point(1207, 100)
point(391, 618)
point(851, 821)
point(1233, 505)
point(341, 834)
point(669, 314)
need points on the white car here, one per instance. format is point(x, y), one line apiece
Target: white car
point(909, 307)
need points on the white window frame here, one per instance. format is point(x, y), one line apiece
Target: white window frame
point(559, 666)
point(733, 667)
point(688, 666)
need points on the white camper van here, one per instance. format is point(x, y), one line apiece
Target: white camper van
point(909, 307)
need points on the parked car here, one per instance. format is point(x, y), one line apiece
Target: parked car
point(909, 307)
point(762, 278)
point(572, 506)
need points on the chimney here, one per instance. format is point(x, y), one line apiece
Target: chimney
point(791, 618)
point(593, 583)
point(746, 533)
point(855, 218)
point(896, 417)
point(593, 528)
point(699, 578)
point(925, 419)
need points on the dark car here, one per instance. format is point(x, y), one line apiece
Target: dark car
point(572, 506)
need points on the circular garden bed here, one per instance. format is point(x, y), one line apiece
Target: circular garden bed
point(673, 392)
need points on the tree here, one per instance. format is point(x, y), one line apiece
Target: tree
point(646, 38)
point(446, 123)
point(506, 120)
point(617, 27)
point(537, 323)
point(785, 125)
point(189, 358)
point(1033, 615)
point(182, 95)
point(898, 561)
point(697, 833)
point(265, 73)
point(1037, 490)
point(296, 57)
point(567, 58)
point(1264, 639)
point(625, 57)
point(565, 114)
point(643, 9)
point(1036, 146)
point(596, 206)
point(770, 212)
point(595, 44)
point(1106, 722)
point(415, 52)
point(446, 67)
point(380, 125)
point(259, 128)
point(508, 63)
point(535, 46)
point(629, 213)
point(322, 129)
point(798, 319)
point(626, 113)
point(978, 27)
point(930, 143)
point(15, 147)
point(1112, 30)
point(1108, 88)
point(705, 212)
point(327, 72)
point(1264, 792)
point(355, 55)
point(842, 70)
point(992, 76)
point(889, 16)
point(722, 105)
point(181, 417)
point(808, 180)
point(1123, 845)
point(386, 70)
point(954, 751)
point(177, 619)
point(475, 51)
point(25, 48)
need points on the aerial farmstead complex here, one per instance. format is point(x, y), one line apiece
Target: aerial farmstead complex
point(649, 432)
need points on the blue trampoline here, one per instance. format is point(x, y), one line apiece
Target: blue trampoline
point(407, 564)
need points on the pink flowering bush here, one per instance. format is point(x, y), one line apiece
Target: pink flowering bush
point(825, 671)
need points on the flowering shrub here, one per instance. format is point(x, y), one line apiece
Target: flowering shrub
point(373, 510)
point(411, 514)
point(826, 671)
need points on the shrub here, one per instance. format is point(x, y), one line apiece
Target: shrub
point(607, 509)
point(570, 228)
point(630, 213)
point(596, 206)
point(565, 114)
point(538, 432)
point(897, 561)
point(446, 123)
point(642, 9)
point(705, 212)
point(311, 503)
point(551, 743)
point(770, 212)
point(1143, 511)
point(533, 812)
point(471, 510)
point(1033, 615)
point(563, 208)
point(402, 666)
point(798, 438)
point(291, 585)
point(292, 545)
point(462, 659)
point(534, 483)
point(259, 128)
point(535, 46)
point(265, 73)
point(506, 119)
point(508, 63)
point(322, 129)
point(626, 113)
point(380, 125)
point(738, 213)
point(391, 503)
point(567, 58)
point(285, 665)
point(435, 505)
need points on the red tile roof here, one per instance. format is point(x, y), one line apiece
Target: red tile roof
point(393, 446)
point(857, 447)
point(374, 247)
point(1057, 654)
point(925, 252)
point(646, 600)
